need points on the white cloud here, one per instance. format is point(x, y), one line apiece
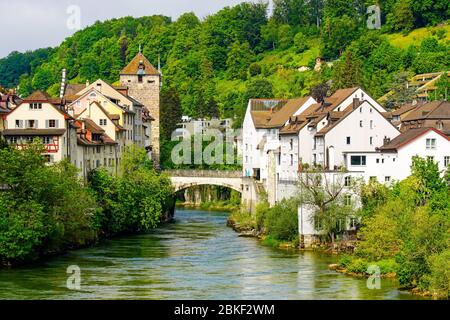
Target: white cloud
point(30, 24)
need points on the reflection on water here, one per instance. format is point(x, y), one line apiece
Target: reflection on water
point(197, 257)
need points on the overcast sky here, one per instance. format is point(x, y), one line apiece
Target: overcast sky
point(32, 24)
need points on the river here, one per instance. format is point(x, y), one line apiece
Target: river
point(197, 257)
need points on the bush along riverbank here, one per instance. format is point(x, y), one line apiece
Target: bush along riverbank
point(45, 210)
point(403, 229)
point(275, 226)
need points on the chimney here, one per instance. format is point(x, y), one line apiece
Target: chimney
point(386, 140)
point(87, 83)
point(356, 103)
point(63, 84)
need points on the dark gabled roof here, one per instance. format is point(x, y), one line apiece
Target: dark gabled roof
point(34, 132)
point(93, 127)
point(133, 67)
point(73, 89)
point(44, 97)
point(405, 108)
point(430, 110)
point(406, 137)
point(38, 96)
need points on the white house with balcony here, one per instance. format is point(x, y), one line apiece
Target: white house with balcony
point(40, 117)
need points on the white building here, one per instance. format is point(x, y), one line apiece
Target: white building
point(260, 136)
point(324, 133)
point(393, 160)
point(40, 117)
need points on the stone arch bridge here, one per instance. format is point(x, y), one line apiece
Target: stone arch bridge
point(184, 179)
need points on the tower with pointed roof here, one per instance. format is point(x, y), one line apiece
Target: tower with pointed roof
point(144, 82)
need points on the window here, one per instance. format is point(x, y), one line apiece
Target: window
point(387, 179)
point(373, 179)
point(348, 200)
point(103, 122)
point(361, 123)
point(371, 141)
point(371, 123)
point(31, 123)
point(47, 140)
point(348, 181)
point(140, 78)
point(431, 144)
point(348, 140)
point(446, 161)
point(358, 160)
point(19, 123)
point(48, 158)
point(52, 123)
point(292, 160)
point(431, 158)
point(291, 144)
point(371, 110)
point(378, 160)
point(98, 151)
point(35, 106)
point(354, 221)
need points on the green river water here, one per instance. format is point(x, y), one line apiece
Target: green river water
point(197, 257)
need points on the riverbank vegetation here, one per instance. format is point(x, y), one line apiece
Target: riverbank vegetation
point(46, 209)
point(405, 230)
point(277, 226)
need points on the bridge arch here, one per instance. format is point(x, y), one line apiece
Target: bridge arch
point(184, 179)
point(183, 186)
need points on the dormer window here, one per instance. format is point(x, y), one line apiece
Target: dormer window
point(35, 106)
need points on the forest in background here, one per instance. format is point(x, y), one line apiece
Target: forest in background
point(213, 66)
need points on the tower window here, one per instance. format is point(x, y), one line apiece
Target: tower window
point(140, 78)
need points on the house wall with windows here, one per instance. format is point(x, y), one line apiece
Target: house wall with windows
point(362, 130)
point(386, 166)
point(39, 120)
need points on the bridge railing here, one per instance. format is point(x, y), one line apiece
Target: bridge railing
point(204, 173)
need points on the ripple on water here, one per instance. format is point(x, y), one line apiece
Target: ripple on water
point(197, 257)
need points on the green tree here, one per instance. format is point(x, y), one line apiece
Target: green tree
point(238, 60)
point(170, 112)
point(348, 71)
point(300, 42)
point(401, 17)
